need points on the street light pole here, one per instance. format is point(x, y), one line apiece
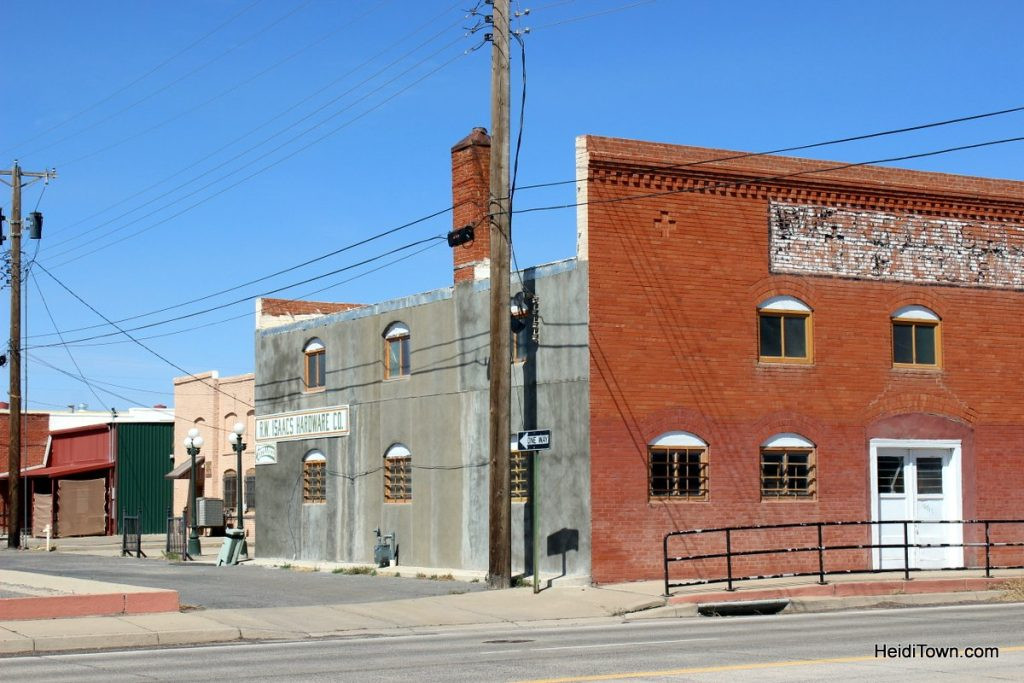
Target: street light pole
point(235, 439)
point(193, 442)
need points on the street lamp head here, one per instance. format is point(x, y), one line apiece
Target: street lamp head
point(232, 438)
point(239, 428)
point(188, 442)
point(193, 432)
point(197, 442)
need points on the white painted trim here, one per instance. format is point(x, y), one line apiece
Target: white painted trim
point(396, 329)
point(314, 345)
point(398, 451)
point(956, 482)
point(915, 312)
point(787, 440)
point(679, 439)
point(314, 456)
point(784, 303)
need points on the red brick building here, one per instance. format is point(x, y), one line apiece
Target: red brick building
point(772, 341)
point(35, 429)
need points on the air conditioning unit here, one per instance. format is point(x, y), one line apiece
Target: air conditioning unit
point(209, 512)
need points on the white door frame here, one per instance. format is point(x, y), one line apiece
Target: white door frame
point(956, 480)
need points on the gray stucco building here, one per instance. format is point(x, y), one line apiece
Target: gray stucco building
point(409, 455)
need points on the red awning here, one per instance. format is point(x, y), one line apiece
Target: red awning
point(64, 470)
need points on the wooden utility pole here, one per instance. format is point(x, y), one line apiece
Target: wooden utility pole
point(14, 357)
point(500, 518)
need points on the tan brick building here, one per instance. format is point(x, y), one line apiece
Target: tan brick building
point(213, 405)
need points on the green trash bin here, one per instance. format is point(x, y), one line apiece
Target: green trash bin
point(233, 540)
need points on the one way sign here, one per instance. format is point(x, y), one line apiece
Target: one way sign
point(534, 440)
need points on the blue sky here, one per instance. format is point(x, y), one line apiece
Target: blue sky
point(204, 144)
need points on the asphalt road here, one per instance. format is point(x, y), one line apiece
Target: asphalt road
point(808, 647)
point(246, 585)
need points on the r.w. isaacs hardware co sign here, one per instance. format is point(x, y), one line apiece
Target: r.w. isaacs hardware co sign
point(303, 424)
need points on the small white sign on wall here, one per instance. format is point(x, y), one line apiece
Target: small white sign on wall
point(266, 453)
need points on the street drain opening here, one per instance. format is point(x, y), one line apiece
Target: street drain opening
point(508, 640)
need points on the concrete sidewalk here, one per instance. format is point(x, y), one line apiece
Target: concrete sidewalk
point(512, 609)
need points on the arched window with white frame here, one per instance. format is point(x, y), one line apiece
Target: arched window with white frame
point(398, 474)
point(678, 466)
point(314, 478)
point(315, 365)
point(784, 330)
point(916, 342)
point(396, 351)
point(788, 467)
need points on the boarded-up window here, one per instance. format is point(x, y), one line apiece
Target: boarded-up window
point(81, 507)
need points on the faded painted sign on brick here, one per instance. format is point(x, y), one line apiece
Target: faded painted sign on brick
point(873, 245)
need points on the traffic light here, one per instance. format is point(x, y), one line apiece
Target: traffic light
point(35, 225)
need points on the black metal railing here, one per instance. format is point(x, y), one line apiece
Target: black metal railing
point(175, 537)
point(821, 549)
point(131, 535)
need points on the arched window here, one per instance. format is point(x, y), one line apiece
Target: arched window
point(229, 423)
point(315, 365)
point(398, 474)
point(784, 330)
point(314, 478)
point(249, 492)
point(788, 469)
point(678, 466)
point(229, 490)
point(396, 351)
point(915, 338)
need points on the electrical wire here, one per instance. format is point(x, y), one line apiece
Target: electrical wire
point(797, 148)
point(307, 262)
point(137, 80)
point(221, 92)
point(595, 14)
point(247, 314)
point(86, 380)
point(139, 343)
point(230, 303)
point(762, 179)
point(208, 155)
point(173, 83)
point(67, 348)
point(273, 164)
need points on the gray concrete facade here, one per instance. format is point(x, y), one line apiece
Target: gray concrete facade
point(439, 412)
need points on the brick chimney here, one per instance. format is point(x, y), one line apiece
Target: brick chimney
point(471, 161)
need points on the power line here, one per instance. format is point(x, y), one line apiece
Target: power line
point(813, 145)
point(139, 343)
point(137, 80)
point(174, 82)
point(595, 14)
point(241, 137)
point(762, 179)
point(67, 348)
point(249, 313)
point(86, 380)
point(225, 305)
point(220, 93)
point(274, 163)
point(322, 257)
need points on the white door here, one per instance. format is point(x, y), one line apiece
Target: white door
point(917, 484)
